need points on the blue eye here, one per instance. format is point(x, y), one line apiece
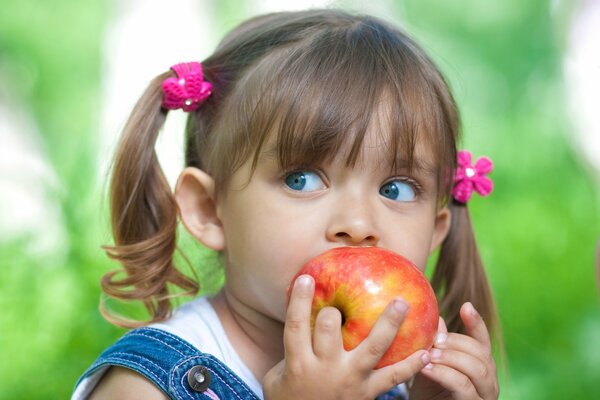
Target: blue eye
point(304, 181)
point(398, 190)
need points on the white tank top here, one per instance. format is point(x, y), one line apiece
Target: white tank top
point(197, 323)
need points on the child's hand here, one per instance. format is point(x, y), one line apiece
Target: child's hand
point(321, 369)
point(462, 366)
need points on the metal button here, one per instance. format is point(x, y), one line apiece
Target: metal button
point(199, 378)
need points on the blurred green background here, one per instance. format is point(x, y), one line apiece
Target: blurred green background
point(537, 232)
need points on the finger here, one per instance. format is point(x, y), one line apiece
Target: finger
point(327, 338)
point(384, 379)
point(369, 351)
point(442, 326)
point(475, 325)
point(460, 342)
point(296, 332)
point(458, 384)
point(482, 374)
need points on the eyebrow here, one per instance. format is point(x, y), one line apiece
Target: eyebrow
point(270, 153)
point(417, 165)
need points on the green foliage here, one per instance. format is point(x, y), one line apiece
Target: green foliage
point(537, 232)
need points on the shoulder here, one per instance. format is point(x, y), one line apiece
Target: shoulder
point(123, 383)
point(138, 365)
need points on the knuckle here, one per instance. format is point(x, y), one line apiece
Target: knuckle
point(490, 362)
point(295, 368)
point(293, 325)
point(487, 346)
point(397, 377)
point(483, 371)
point(489, 358)
point(326, 324)
point(464, 384)
point(376, 349)
point(329, 319)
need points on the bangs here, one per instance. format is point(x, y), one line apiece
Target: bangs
point(316, 100)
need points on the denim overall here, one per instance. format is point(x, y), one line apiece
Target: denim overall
point(179, 369)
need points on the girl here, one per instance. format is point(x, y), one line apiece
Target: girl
point(307, 131)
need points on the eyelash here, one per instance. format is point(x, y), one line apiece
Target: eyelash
point(301, 168)
point(412, 182)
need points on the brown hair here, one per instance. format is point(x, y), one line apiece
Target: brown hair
point(314, 78)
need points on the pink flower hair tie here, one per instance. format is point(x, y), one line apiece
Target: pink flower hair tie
point(188, 91)
point(469, 177)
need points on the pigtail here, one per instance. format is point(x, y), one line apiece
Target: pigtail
point(459, 275)
point(144, 217)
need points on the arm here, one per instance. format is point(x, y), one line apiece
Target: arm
point(123, 383)
point(320, 368)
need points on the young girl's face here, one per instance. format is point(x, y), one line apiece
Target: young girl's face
point(275, 220)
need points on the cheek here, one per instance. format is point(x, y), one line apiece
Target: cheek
point(266, 244)
point(413, 240)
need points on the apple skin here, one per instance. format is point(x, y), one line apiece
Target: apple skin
point(361, 282)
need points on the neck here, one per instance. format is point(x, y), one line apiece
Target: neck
point(257, 338)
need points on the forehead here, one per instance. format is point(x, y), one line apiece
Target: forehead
point(388, 145)
point(378, 147)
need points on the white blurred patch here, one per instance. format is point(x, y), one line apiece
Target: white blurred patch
point(265, 6)
point(144, 39)
point(381, 8)
point(372, 287)
point(28, 186)
point(582, 76)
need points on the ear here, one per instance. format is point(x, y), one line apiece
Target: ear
point(443, 219)
point(195, 197)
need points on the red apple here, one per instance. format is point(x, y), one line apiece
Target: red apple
point(361, 282)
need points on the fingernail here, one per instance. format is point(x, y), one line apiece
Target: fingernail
point(400, 306)
point(425, 359)
point(436, 354)
point(429, 366)
point(441, 338)
point(304, 281)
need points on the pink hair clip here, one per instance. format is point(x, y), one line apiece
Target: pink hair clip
point(188, 91)
point(469, 177)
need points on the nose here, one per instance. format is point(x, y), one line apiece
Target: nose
point(352, 223)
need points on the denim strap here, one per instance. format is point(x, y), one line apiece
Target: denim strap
point(166, 359)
